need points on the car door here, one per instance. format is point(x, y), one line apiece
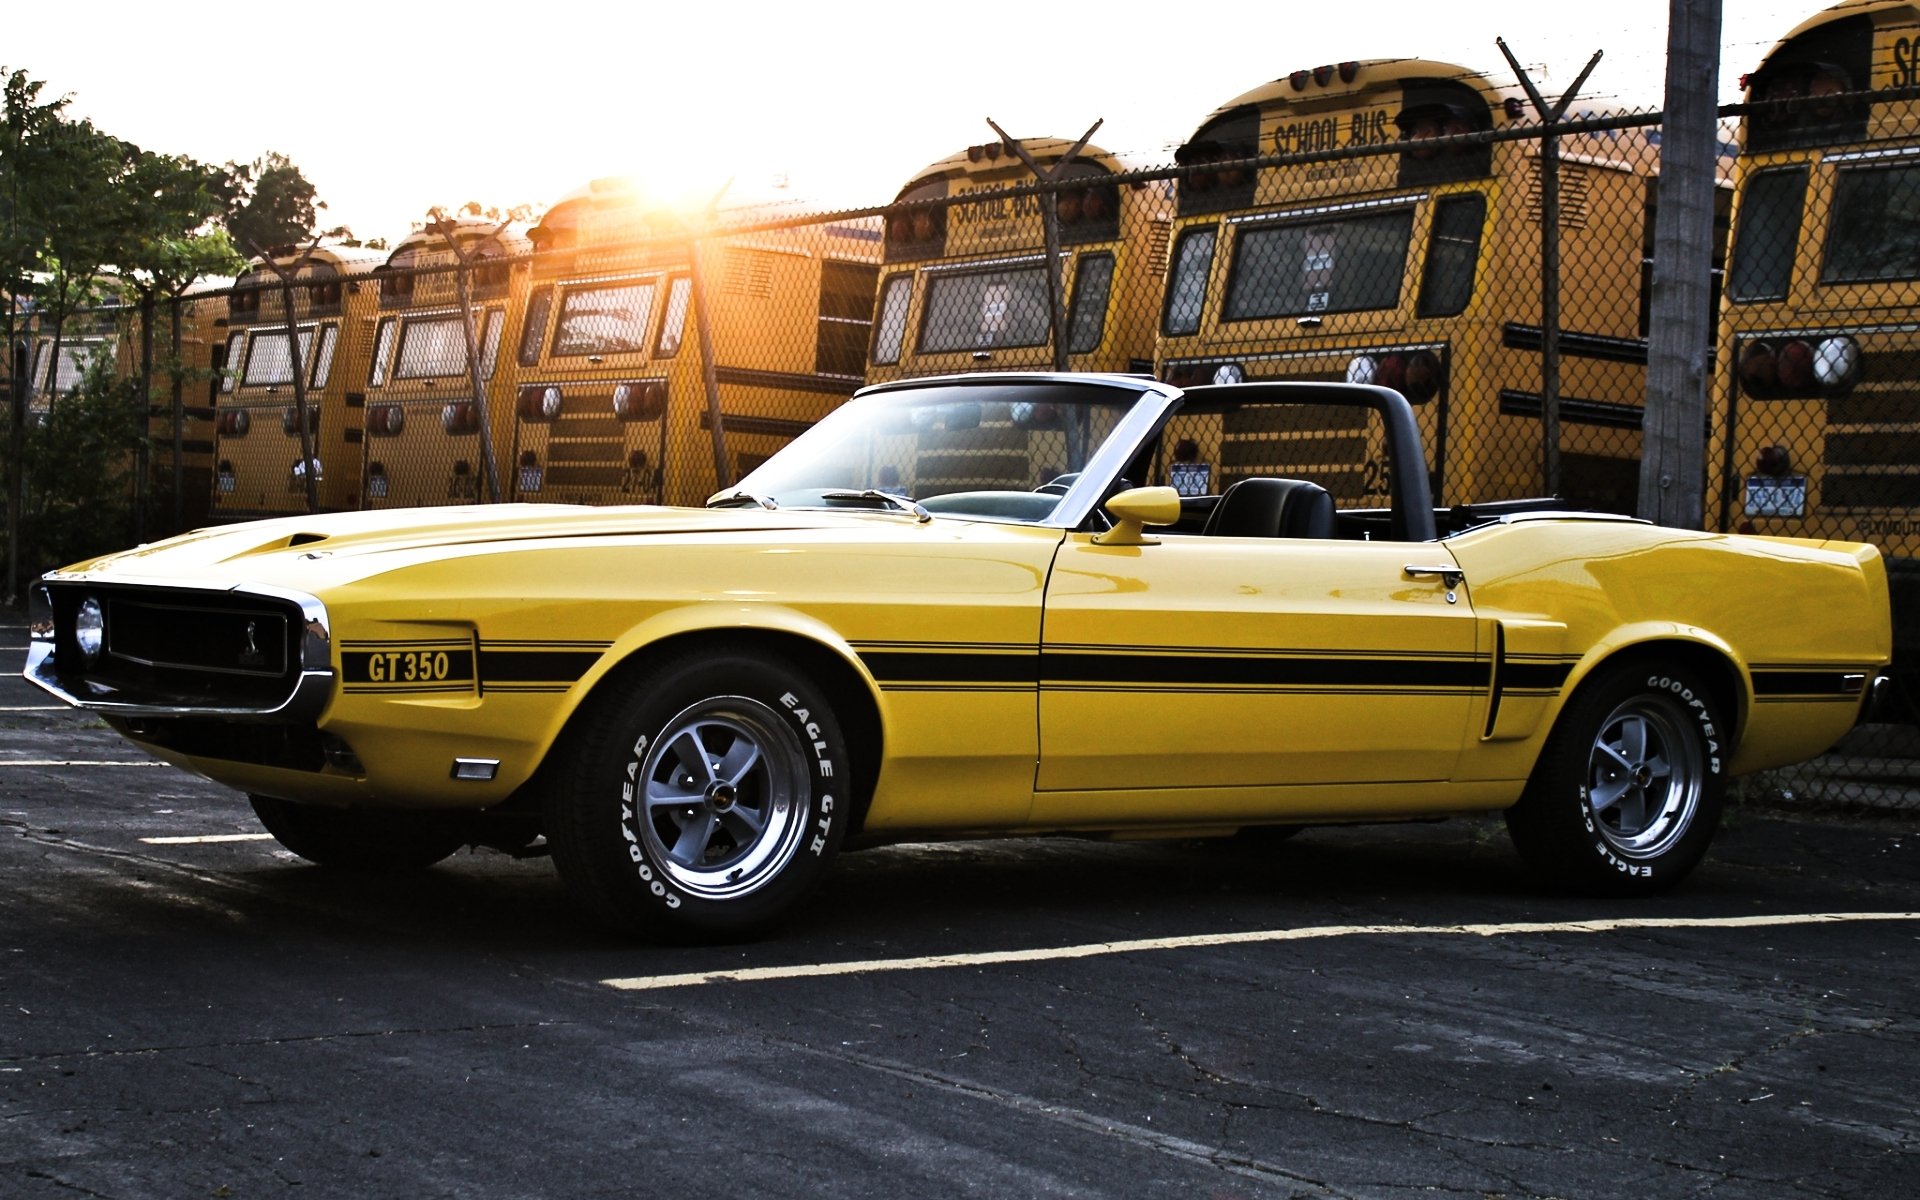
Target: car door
point(1245, 663)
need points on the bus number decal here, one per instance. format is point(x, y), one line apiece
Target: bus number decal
point(1378, 480)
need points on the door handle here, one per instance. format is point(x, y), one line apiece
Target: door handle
point(1450, 576)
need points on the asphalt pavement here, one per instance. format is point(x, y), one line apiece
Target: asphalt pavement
point(188, 1011)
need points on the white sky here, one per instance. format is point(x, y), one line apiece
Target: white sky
point(393, 107)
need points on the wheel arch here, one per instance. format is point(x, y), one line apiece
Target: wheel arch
point(1715, 663)
point(848, 687)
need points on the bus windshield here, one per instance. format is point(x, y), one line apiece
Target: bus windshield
point(1344, 264)
point(603, 320)
point(1875, 229)
point(1007, 306)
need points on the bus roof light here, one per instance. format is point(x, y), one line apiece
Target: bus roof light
point(1323, 75)
point(1349, 71)
point(1298, 80)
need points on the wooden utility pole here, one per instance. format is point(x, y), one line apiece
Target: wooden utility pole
point(1680, 337)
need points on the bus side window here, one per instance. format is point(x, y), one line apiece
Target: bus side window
point(236, 347)
point(382, 344)
point(890, 329)
point(534, 328)
point(1187, 282)
point(673, 323)
point(1087, 314)
point(1769, 235)
point(1453, 252)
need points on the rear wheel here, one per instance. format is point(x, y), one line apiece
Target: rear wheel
point(701, 799)
point(1628, 792)
point(361, 839)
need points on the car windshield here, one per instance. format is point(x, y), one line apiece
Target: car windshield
point(1002, 451)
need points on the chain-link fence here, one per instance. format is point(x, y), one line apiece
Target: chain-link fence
point(615, 354)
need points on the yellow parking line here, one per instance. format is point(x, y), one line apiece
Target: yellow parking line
point(1195, 941)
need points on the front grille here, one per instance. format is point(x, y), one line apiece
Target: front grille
point(181, 649)
point(221, 640)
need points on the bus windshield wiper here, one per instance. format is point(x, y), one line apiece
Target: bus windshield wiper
point(741, 499)
point(887, 498)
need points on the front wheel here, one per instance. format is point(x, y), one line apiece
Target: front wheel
point(1629, 789)
point(702, 798)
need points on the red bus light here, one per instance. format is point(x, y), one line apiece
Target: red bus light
point(460, 417)
point(386, 420)
point(1794, 365)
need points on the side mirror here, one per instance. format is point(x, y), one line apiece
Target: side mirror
point(1133, 510)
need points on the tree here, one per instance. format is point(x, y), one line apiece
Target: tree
point(170, 242)
point(45, 166)
point(270, 203)
point(76, 479)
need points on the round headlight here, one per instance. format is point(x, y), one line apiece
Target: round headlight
point(1228, 373)
point(1362, 369)
point(550, 403)
point(90, 630)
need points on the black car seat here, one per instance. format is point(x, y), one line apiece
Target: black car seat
point(1261, 507)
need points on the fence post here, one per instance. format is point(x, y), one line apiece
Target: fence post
point(21, 361)
point(709, 374)
point(1680, 333)
point(142, 458)
point(1549, 261)
point(463, 286)
point(1050, 228)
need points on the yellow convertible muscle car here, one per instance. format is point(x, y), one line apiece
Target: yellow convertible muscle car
point(970, 606)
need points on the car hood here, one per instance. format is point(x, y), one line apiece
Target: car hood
point(259, 550)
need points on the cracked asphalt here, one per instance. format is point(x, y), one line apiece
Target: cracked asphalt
point(214, 1019)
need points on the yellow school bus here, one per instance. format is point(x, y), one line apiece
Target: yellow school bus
point(661, 356)
point(182, 453)
point(58, 359)
point(1401, 251)
point(260, 462)
point(966, 284)
point(420, 434)
point(1817, 379)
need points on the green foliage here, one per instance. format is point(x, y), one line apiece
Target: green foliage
point(79, 471)
point(85, 217)
point(270, 204)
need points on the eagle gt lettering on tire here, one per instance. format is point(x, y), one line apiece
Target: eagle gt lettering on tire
point(703, 797)
point(1628, 791)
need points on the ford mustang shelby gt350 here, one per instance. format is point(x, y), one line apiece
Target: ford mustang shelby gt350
point(970, 606)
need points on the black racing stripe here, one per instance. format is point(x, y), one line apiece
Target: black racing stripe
point(1806, 683)
point(919, 666)
point(903, 667)
point(534, 666)
point(1534, 676)
point(1329, 672)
